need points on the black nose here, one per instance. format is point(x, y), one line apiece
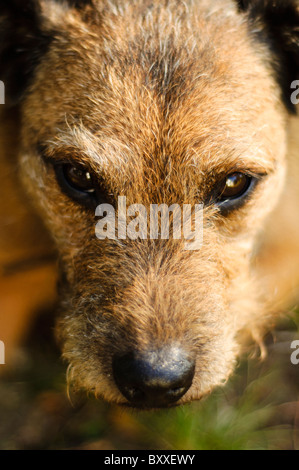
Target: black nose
point(154, 379)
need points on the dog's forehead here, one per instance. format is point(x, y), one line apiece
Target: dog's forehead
point(181, 83)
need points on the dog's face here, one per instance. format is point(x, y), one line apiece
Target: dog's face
point(174, 104)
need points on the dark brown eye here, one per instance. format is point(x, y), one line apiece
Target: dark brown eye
point(78, 183)
point(78, 178)
point(235, 186)
point(234, 191)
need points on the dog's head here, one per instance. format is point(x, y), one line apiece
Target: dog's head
point(161, 103)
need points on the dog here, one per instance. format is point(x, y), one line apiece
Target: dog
point(161, 103)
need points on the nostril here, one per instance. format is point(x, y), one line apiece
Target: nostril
point(153, 379)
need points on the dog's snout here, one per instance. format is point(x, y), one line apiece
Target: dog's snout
point(154, 379)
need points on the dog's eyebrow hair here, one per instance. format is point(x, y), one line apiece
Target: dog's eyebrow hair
point(249, 167)
point(76, 143)
point(239, 161)
point(79, 144)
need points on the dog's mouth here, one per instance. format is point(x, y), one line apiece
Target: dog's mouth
point(149, 407)
point(158, 407)
point(159, 399)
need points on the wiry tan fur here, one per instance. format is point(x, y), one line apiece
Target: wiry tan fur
point(161, 100)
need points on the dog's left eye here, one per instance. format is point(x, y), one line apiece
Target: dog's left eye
point(79, 178)
point(234, 190)
point(77, 183)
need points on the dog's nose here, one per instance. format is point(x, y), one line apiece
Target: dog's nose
point(153, 379)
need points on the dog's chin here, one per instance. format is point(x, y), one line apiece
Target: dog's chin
point(132, 407)
point(190, 397)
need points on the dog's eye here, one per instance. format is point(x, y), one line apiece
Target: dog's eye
point(78, 183)
point(78, 178)
point(234, 191)
point(235, 186)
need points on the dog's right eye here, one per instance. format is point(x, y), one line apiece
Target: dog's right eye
point(78, 183)
point(78, 178)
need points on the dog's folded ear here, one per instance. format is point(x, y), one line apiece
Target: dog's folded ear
point(22, 43)
point(276, 22)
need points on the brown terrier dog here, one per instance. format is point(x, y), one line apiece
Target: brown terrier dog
point(161, 102)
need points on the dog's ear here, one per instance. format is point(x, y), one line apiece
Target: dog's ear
point(276, 22)
point(22, 43)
